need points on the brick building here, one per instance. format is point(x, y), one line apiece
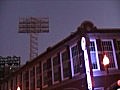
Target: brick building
point(70, 66)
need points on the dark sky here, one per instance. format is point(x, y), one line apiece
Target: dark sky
point(64, 17)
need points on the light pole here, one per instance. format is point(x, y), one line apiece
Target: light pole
point(106, 62)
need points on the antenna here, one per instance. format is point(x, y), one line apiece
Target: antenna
point(33, 26)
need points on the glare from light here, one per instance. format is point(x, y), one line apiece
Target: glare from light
point(18, 88)
point(118, 82)
point(106, 60)
point(83, 43)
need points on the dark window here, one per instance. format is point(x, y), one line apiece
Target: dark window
point(118, 46)
point(32, 79)
point(47, 73)
point(38, 73)
point(26, 80)
point(56, 68)
point(66, 64)
point(75, 59)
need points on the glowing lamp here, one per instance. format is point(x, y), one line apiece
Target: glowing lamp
point(118, 82)
point(83, 43)
point(106, 60)
point(18, 88)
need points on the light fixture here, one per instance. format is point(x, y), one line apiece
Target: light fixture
point(106, 60)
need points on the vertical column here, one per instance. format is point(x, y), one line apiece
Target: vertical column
point(40, 75)
point(21, 80)
point(59, 68)
point(117, 51)
point(87, 63)
point(35, 78)
point(68, 52)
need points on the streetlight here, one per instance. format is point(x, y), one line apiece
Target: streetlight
point(106, 62)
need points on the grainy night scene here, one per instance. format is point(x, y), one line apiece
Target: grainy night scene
point(59, 45)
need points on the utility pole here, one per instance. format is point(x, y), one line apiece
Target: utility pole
point(33, 26)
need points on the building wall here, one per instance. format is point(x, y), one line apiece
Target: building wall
point(62, 67)
point(108, 44)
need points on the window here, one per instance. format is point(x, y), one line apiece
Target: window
point(32, 84)
point(56, 69)
point(118, 47)
point(19, 79)
point(94, 55)
point(26, 80)
point(65, 64)
point(108, 49)
point(56, 74)
point(46, 73)
point(38, 73)
point(15, 82)
point(11, 84)
point(75, 59)
point(32, 78)
point(118, 44)
point(32, 72)
point(99, 88)
point(6, 86)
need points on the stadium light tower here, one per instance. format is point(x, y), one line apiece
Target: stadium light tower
point(33, 26)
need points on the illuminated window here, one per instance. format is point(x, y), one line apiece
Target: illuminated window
point(65, 64)
point(94, 55)
point(108, 48)
point(99, 88)
point(75, 59)
point(56, 69)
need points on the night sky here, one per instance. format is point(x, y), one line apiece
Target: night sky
point(64, 17)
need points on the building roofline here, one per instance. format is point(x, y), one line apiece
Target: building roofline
point(80, 29)
point(86, 27)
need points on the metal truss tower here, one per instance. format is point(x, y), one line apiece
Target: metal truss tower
point(33, 26)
